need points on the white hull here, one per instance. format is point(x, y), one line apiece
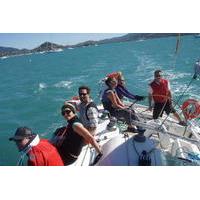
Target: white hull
point(124, 151)
point(103, 135)
point(166, 143)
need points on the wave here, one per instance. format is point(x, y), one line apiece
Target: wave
point(171, 75)
point(63, 84)
point(42, 86)
point(50, 129)
point(4, 57)
point(140, 40)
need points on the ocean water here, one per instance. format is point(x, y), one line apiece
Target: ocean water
point(34, 87)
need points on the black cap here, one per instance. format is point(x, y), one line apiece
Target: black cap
point(21, 133)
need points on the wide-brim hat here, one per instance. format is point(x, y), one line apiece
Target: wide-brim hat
point(21, 133)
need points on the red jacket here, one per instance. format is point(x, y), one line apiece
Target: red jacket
point(160, 91)
point(44, 154)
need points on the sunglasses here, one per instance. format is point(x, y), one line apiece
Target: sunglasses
point(158, 76)
point(82, 94)
point(18, 140)
point(66, 112)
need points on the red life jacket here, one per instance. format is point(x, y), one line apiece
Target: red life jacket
point(44, 154)
point(160, 91)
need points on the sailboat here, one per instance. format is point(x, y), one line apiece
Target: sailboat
point(163, 143)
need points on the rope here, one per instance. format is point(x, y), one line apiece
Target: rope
point(176, 50)
point(180, 97)
point(84, 155)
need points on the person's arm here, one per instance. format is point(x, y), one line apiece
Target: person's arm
point(81, 130)
point(35, 159)
point(122, 90)
point(114, 99)
point(169, 93)
point(150, 98)
point(119, 102)
point(92, 114)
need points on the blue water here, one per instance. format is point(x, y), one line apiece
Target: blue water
point(34, 87)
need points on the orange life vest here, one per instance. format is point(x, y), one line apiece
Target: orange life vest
point(160, 91)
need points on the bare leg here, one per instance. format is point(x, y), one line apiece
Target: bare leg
point(181, 122)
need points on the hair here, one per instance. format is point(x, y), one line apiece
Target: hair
point(83, 87)
point(157, 71)
point(59, 131)
point(108, 80)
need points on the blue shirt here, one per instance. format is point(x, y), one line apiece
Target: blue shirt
point(122, 91)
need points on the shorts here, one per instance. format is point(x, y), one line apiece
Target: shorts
point(159, 108)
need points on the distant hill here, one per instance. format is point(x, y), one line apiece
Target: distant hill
point(48, 46)
point(7, 49)
point(131, 37)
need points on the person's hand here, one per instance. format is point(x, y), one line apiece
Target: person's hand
point(97, 158)
point(139, 98)
point(170, 102)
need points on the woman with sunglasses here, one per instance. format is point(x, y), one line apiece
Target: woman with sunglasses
point(115, 106)
point(75, 136)
point(121, 89)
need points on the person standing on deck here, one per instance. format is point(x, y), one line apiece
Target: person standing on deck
point(160, 93)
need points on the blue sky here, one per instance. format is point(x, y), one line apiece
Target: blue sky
point(32, 40)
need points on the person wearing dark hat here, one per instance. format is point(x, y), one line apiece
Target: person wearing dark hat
point(40, 152)
point(72, 137)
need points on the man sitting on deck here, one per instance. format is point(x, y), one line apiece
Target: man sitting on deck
point(88, 110)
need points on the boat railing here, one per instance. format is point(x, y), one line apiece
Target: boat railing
point(162, 129)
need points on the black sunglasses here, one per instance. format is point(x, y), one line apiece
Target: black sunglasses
point(82, 94)
point(159, 75)
point(18, 140)
point(66, 112)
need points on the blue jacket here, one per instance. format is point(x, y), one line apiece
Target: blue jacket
point(122, 91)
